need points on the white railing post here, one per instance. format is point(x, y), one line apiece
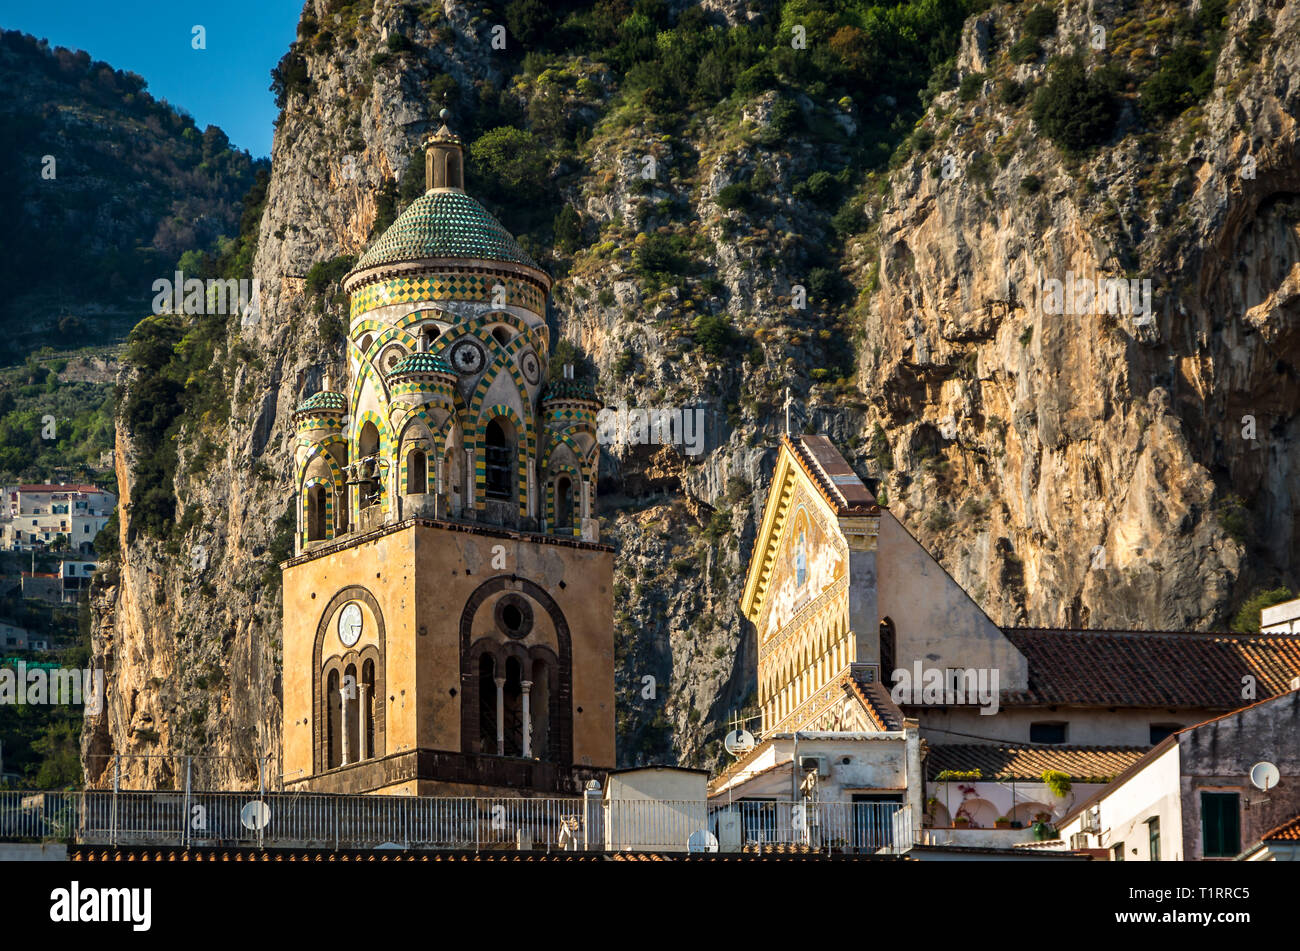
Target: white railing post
point(185, 816)
point(117, 781)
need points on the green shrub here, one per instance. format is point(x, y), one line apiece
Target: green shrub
point(735, 196)
point(822, 187)
point(713, 333)
point(1247, 618)
point(971, 86)
point(1031, 184)
point(1040, 22)
point(1010, 92)
point(1184, 78)
point(1025, 50)
point(1076, 110)
point(510, 164)
point(663, 254)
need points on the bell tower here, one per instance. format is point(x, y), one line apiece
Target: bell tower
point(448, 615)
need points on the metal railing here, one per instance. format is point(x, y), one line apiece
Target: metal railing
point(330, 821)
point(855, 827)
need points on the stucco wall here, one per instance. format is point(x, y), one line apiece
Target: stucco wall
point(935, 620)
point(422, 578)
point(1125, 811)
point(1218, 756)
point(1088, 726)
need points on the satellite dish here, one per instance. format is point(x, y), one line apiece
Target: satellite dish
point(702, 840)
point(255, 815)
point(1264, 775)
point(739, 742)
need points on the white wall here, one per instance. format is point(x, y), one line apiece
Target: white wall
point(1154, 792)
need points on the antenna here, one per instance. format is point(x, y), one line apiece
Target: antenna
point(1264, 775)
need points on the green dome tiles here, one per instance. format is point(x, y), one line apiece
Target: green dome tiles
point(324, 401)
point(422, 363)
point(571, 390)
point(447, 224)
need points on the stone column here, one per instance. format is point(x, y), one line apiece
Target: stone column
point(501, 716)
point(469, 480)
point(532, 488)
point(344, 745)
point(586, 502)
point(363, 735)
point(528, 720)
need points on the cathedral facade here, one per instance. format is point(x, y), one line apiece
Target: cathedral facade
point(448, 614)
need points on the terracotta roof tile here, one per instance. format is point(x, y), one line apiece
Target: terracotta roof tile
point(1027, 763)
point(878, 703)
point(1288, 831)
point(1151, 668)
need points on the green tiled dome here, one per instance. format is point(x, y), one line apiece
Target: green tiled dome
point(570, 390)
point(447, 224)
point(326, 400)
point(422, 363)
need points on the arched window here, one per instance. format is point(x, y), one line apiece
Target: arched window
point(563, 503)
point(514, 708)
point(351, 715)
point(368, 710)
point(333, 716)
point(368, 447)
point(502, 335)
point(487, 704)
point(539, 710)
point(888, 651)
point(417, 473)
point(317, 499)
point(365, 343)
point(499, 460)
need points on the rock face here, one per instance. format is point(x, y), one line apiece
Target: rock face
point(1084, 470)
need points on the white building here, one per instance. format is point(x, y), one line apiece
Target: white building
point(39, 514)
point(1281, 618)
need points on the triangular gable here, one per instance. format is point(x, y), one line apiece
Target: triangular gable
point(792, 492)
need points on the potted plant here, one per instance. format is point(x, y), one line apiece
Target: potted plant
point(1002, 822)
point(961, 822)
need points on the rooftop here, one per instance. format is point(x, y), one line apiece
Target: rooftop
point(838, 483)
point(445, 224)
point(1151, 668)
point(1026, 763)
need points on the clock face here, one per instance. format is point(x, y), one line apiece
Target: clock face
point(350, 624)
point(467, 357)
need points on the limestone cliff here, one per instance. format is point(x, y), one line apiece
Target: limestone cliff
point(1082, 470)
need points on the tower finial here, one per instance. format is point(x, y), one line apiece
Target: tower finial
point(444, 158)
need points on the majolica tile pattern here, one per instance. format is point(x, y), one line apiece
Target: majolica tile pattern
point(434, 379)
point(445, 225)
point(447, 285)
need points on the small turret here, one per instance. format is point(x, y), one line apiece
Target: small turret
point(444, 159)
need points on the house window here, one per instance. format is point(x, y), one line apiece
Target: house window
point(1047, 732)
point(1160, 731)
point(1220, 824)
point(1117, 852)
point(1153, 837)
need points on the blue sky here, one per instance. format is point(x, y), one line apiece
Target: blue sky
point(225, 85)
